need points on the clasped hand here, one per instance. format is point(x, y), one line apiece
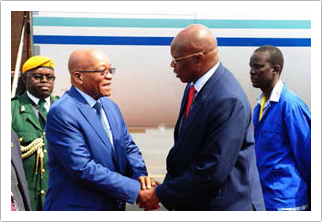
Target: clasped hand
point(148, 198)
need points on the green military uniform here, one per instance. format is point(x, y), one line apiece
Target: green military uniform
point(27, 126)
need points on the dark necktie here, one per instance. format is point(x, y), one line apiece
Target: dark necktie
point(41, 104)
point(191, 95)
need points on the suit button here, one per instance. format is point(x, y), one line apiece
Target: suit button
point(45, 151)
point(20, 139)
point(42, 192)
point(43, 170)
point(44, 133)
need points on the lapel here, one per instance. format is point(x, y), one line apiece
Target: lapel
point(197, 104)
point(200, 99)
point(91, 117)
point(26, 110)
point(111, 118)
point(180, 119)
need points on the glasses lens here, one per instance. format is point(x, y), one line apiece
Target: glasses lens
point(112, 70)
point(50, 77)
point(38, 77)
point(174, 61)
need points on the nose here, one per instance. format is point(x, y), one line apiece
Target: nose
point(252, 71)
point(44, 79)
point(108, 75)
point(172, 64)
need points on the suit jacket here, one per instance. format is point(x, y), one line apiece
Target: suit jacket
point(26, 125)
point(212, 164)
point(16, 162)
point(85, 172)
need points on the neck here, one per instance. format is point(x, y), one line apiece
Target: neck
point(206, 68)
point(267, 91)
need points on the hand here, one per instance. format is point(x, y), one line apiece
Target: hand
point(148, 199)
point(147, 182)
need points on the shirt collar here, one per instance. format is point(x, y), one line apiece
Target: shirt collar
point(203, 79)
point(36, 100)
point(87, 97)
point(275, 94)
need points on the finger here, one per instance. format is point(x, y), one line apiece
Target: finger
point(148, 182)
point(141, 206)
point(157, 182)
point(155, 207)
point(152, 182)
point(149, 208)
point(142, 181)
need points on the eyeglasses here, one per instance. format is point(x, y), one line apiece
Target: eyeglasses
point(174, 60)
point(39, 77)
point(102, 72)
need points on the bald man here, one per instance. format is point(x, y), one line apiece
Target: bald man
point(212, 165)
point(94, 164)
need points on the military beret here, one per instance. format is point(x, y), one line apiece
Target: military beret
point(37, 61)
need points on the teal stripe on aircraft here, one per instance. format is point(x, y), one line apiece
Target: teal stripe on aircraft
point(171, 23)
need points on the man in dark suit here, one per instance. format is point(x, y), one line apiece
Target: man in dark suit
point(19, 187)
point(212, 164)
point(94, 164)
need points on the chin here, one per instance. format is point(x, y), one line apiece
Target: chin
point(43, 95)
point(183, 80)
point(255, 85)
point(109, 93)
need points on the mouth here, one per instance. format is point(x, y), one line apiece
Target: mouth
point(107, 85)
point(253, 80)
point(44, 88)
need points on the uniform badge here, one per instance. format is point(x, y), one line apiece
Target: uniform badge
point(22, 109)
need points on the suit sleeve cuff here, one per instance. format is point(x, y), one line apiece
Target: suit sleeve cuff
point(131, 193)
point(164, 198)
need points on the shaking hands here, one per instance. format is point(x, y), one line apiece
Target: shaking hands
point(148, 198)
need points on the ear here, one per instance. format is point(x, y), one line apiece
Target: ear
point(276, 69)
point(199, 59)
point(78, 77)
point(24, 78)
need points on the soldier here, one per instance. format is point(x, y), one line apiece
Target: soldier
point(28, 121)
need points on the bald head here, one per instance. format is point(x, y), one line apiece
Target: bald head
point(89, 71)
point(194, 38)
point(83, 59)
point(194, 51)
